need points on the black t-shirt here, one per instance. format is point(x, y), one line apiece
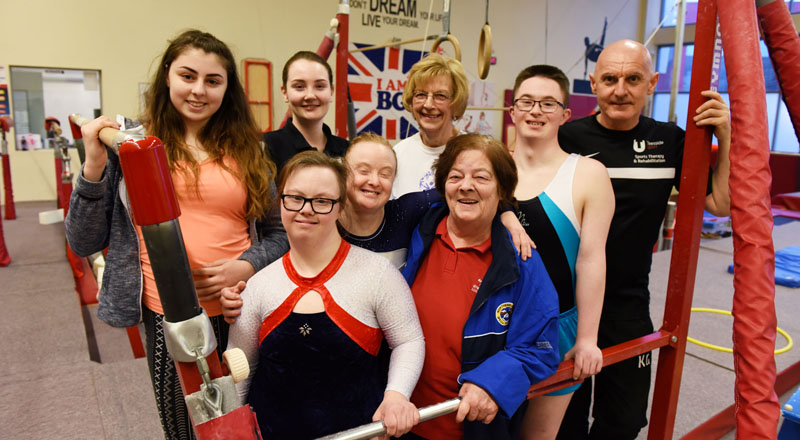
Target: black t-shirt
point(644, 163)
point(283, 144)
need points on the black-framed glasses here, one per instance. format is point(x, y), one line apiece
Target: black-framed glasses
point(546, 105)
point(438, 97)
point(320, 205)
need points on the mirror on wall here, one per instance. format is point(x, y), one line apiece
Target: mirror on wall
point(38, 93)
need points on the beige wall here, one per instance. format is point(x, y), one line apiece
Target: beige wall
point(124, 41)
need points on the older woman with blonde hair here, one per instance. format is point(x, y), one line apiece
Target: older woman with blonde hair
point(436, 95)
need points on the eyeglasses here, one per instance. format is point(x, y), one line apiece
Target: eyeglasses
point(438, 97)
point(546, 105)
point(319, 205)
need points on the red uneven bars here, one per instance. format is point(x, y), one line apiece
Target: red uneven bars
point(342, 52)
point(688, 225)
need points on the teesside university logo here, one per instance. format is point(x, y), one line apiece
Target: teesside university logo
point(377, 79)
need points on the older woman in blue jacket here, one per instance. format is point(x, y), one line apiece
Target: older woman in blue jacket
point(490, 319)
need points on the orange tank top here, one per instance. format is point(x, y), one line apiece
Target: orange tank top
point(214, 225)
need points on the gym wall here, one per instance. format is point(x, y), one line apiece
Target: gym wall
point(124, 42)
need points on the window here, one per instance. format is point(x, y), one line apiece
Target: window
point(42, 92)
point(669, 10)
point(781, 132)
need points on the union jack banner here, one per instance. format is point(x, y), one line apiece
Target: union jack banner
point(376, 79)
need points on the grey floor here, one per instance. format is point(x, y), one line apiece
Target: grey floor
point(708, 379)
point(51, 389)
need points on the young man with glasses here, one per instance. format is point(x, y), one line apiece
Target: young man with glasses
point(643, 158)
point(565, 204)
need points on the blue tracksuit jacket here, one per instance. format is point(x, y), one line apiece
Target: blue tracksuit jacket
point(510, 339)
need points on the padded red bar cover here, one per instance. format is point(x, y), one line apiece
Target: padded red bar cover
point(6, 122)
point(783, 43)
point(754, 323)
point(148, 180)
point(49, 120)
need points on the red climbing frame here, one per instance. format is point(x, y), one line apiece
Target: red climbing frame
point(756, 406)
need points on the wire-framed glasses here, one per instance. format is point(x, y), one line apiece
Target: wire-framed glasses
point(319, 205)
point(438, 97)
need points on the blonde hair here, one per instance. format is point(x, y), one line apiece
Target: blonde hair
point(369, 136)
point(432, 66)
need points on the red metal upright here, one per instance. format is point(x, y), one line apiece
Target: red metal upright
point(5, 125)
point(5, 259)
point(689, 215)
point(342, 53)
point(754, 320)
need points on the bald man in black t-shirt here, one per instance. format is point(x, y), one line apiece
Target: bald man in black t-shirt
point(643, 158)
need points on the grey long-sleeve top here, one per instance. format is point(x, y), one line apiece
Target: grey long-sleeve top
point(98, 218)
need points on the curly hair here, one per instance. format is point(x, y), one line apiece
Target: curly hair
point(432, 66)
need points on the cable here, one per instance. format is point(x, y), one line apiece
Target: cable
point(427, 25)
point(422, 51)
point(788, 346)
point(660, 25)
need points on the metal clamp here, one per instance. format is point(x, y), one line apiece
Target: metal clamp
point(186, 340)
point(66, 173)
point(212, 395)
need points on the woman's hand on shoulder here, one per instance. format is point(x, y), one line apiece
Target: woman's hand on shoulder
point(398, 414)
point(231, 300)
point(96, 154)
point(476, 404)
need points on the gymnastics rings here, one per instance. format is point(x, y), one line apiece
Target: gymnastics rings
point(453, 40)
point(789, 342)
point(485, 48)
point(446, 35)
